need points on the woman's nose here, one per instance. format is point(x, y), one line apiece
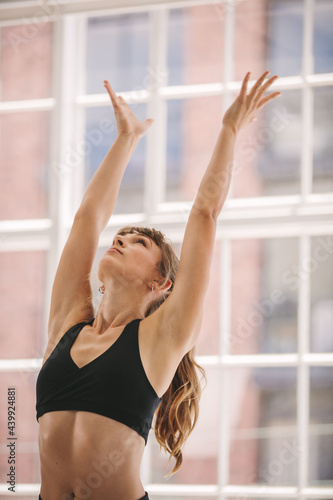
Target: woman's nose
point(118, 240)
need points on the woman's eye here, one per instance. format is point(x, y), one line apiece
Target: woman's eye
point(142, 241)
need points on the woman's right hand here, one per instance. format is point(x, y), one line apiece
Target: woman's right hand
point(243, 109)
point(127, 123)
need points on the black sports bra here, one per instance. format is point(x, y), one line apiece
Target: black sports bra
point(114, 384)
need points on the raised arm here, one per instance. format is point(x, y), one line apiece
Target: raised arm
point(180, 316)
point(215, 183)
point(101, 195)
point(71, 292)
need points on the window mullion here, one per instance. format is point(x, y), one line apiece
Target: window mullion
point(224, 370)
point(307, 143)
point(303, 368)
point(307, 102)
point(155, 173)
point(307, 55)
point(229, 63)
point(80, 144)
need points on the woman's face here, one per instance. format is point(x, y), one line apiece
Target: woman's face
point(137, 258)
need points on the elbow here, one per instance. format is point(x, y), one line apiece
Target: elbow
point(207, 213)
point(215, 213)
point(90, 219)
point(212, 213)
point(84, 211)
point(206, 210)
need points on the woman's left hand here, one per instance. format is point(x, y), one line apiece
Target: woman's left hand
point(127, 122)
point(243, 109)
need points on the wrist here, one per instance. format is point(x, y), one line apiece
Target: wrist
point(130, 136)
point(229, 129)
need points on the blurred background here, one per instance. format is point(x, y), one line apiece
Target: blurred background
point(266, 416)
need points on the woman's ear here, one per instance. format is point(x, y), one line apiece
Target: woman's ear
point(166, 285)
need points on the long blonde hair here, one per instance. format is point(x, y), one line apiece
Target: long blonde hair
point(178, 412)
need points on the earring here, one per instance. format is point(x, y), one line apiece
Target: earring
point(152, 288)
point(100, 289)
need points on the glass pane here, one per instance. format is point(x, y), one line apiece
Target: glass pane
point(22, 282)
point(321, 426)
point(26, 61)
point(190, 144)
point(322, 140)
point(249, 38)
point(192, 32)
point(323, 36)
point(201, 449)
point(262, 411)
point(24, 165)
point(264, 296)
point(101, 132)
point(268, 152)
point(26, 426)
point(320, 268)
point(268, 35)
point(118, 51)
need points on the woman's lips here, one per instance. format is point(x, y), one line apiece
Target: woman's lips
point(114, 250)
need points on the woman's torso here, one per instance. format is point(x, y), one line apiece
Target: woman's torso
point(87, 455)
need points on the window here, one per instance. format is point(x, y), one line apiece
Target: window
point(266, 418)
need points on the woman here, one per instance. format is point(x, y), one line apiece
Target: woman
point(104, 377)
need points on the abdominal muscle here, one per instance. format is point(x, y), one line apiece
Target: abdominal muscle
point(84, 455)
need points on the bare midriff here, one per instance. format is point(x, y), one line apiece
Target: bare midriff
point(87, 456)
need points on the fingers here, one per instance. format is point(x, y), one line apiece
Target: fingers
point(243, 90)
point(263, 88)
point(148, 123)
point(268, 98)
point(268, 83)
point(258, 83)
point(111, 93)
point(258, 89)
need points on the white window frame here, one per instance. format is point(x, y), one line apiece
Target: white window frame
point(302, 215)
